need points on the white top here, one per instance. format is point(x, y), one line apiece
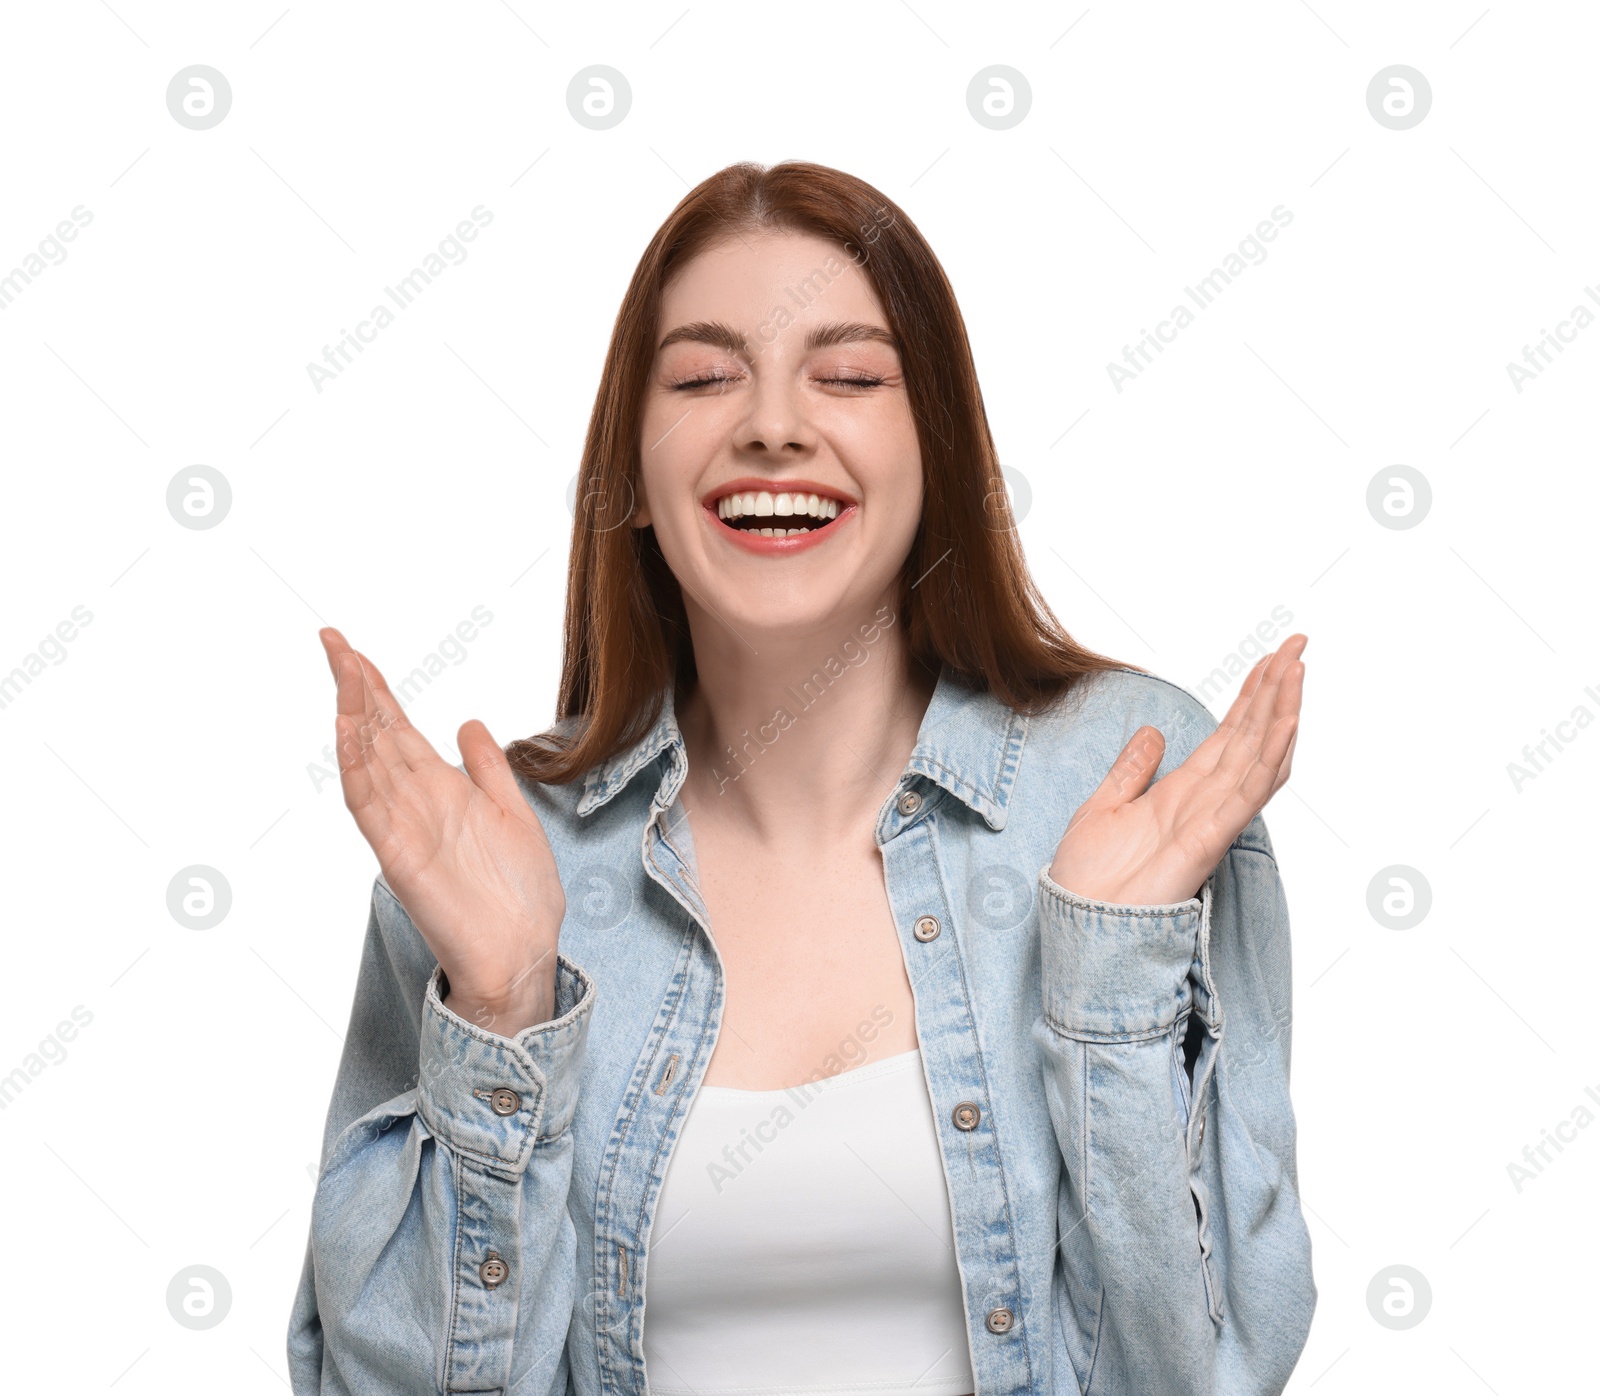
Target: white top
point(803, 1244)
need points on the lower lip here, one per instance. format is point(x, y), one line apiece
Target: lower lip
point(778, 547)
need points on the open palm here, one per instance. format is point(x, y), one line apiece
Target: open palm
point(1139, 844)
point(463, 851)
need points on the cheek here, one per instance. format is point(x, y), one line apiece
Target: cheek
point(676, 444)
point(884, 450)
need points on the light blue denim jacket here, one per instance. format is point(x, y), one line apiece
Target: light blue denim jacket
point(1110, 1086)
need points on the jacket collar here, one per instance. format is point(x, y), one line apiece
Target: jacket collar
point(969, 744)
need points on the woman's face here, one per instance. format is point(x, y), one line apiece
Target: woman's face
point(779, 462)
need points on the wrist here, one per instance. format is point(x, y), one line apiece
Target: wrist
point(1134, 891)
point(504, 1006)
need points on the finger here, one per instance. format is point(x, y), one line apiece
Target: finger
point(364, 781)
point(358, 703)
point(1241, 700)
point(1290, 702)
point(333, 642)
point(1205, 756)
point(1130, 773)
point(1238, 804)
point(485, 762)
point(379, 711)
point(364, 774)
point(381, 722)
point(1288, 760)
point(1261, 781)
point(1270, 700)
point(1262, 708)
point(408, 744)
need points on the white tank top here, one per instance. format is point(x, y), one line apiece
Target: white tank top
point(802, 1244)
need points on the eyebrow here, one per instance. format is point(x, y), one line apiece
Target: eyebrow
point(823, 336)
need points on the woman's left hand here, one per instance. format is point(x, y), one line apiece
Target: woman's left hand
point(1143, 847)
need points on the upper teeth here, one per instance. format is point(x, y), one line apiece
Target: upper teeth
point(761, 503)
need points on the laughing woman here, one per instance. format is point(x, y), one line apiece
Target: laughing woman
point(862, 987)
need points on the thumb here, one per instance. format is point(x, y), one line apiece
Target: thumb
point(486, 764)
point(1131, 772)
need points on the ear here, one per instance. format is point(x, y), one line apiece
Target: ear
point(640, 517)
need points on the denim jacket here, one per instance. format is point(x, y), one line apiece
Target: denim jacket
point(1110, 1085)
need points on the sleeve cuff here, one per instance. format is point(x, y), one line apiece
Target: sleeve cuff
point(1113, 972)
point(493, 1098)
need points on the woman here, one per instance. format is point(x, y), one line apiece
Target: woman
point(833, 1000)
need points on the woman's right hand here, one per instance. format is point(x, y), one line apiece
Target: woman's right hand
point(464, 852)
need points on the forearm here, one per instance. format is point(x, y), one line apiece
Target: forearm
point(1116, 1004)
point(1185, 1255)
point(442, 1254)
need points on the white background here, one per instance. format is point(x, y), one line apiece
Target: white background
point(1167, 521)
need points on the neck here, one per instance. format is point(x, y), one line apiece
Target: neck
point(809, 735)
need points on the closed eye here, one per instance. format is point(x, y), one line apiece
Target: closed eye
point(701, 382)
point(849, 381)
point(863, 381)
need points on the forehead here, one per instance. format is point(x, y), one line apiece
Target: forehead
point(744, 280)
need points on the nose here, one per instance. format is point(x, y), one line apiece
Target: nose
point(778, 424)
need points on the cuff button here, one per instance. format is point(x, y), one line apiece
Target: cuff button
point(504, 1102)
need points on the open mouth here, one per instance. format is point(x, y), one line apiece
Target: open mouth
point(777, 513)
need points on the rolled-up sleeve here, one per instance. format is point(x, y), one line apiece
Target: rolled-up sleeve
point(441, 1255)
point(1164, 1031)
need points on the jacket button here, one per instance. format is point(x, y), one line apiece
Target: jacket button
point(504, 1102)
point(494, 1270)
point(909, 803)
point(1200, 1134)
point(999, 1320)
point(966, 1117)
point(926, 929)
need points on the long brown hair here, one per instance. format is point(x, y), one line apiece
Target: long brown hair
point(965, 590)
